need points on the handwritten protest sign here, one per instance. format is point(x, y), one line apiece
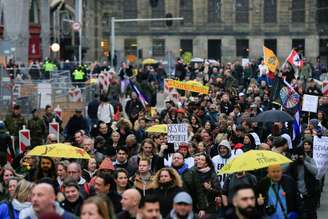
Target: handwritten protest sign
point(320, 155)
point(193, 86)
point(177, 133)
point(310, 103)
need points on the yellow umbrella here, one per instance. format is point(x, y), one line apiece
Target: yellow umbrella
point(253, 160)
point(149, 61)
point(162, 128)
point(59, 150)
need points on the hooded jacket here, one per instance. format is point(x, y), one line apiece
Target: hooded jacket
point(219, 161)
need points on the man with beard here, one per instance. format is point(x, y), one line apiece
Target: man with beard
point(244, 203)
point(191, 183)
point(46, 168)
point(149, 208)
point(182, 207)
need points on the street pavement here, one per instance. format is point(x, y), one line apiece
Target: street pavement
point(323, 210)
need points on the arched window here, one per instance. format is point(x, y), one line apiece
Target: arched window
point(35, 12)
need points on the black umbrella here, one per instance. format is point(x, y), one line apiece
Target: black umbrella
point(274, 116)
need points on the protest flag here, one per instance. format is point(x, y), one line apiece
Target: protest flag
point(295, 59)
point(270, 59)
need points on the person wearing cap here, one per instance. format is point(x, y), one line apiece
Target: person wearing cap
point(75, 123)
point(182, 207)
point(37, 129)
point(222, 158)
point(15, 122)
point(5, 144)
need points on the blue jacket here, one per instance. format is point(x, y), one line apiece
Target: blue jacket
point(17, 207)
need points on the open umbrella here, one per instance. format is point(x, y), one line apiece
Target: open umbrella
point(197, 60)
point(253, 160)
point(162, 128)
point(59, 150)
point(149, 61)
point(274, 116)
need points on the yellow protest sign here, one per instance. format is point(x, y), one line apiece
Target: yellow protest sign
point(270, 59)
point(193, 86)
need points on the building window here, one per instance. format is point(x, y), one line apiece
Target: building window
point(186, 11)
point(242, 11)
point(130, 47)
point(158, 12)
point(35, 12)
point(213, 11)
point(130, 8)
point(105, 20)
point(242, 48)
point(298, 11)
point(158, 47)
point(214, 49)
point(270, 11)
point(322, 11)
point(185, 46)
point(271, 44)
point(299, 45)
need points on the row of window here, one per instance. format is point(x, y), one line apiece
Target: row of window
point(214, 47)
point(242, 10)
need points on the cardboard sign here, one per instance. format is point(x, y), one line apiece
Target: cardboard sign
point(320, 155)
point(177, 133)
point(310, 103)
point(193, 86)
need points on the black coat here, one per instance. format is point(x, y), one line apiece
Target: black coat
point(74, 208)
point(115, 198)
point(165, 196)
point(75, 124)
point(289, 186)
point(5, 143)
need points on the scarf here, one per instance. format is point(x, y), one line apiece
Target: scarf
point(182, 169)
point(204, 170)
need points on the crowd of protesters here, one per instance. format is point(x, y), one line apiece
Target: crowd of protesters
point(136, 174)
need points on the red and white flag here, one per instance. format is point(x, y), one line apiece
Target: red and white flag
point(295, 59)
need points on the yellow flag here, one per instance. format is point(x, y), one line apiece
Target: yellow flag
point(270, 59)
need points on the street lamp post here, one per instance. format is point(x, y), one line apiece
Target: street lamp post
point(114, 20)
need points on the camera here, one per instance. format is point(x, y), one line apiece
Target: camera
point(270, 209)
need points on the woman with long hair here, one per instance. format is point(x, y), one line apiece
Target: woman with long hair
point(97, 207)
point(206, 174)
point(21, 199)
point(6, 173)
point(121, 177)
point(167, 183)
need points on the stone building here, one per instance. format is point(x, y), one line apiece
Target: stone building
point(25, 29)
point(219, 29)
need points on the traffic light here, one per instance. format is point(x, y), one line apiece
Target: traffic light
point(169, 23)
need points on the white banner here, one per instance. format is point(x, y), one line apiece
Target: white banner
point(320, 155)
point(177, 133)
point(310, 103)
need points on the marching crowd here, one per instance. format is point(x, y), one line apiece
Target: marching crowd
point(133, 173)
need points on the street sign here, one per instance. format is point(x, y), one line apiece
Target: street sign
point(76, 26)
